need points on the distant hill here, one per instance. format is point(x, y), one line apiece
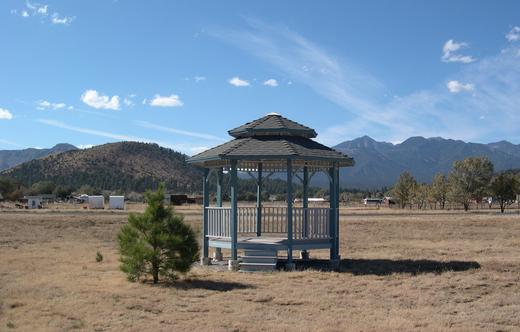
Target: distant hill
point(379, 163)
point(122, 165)
point(11, 158)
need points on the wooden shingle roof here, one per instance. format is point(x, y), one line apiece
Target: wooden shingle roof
point(272, 138)
point(272, 125)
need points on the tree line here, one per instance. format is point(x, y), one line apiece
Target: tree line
point(470, 180)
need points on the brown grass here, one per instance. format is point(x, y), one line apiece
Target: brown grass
point(400, 271)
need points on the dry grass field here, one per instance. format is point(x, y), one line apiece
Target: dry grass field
point(400, 271)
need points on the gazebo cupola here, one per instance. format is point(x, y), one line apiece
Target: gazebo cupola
point(270, 145)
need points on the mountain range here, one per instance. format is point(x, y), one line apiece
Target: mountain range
point(130, 166)
point(11, 158)
point(379, 164)
point(137, 166)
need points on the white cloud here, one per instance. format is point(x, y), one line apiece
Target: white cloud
point(5, 114)
point(42, 11)
point(63, 20)
point(128, 102)
point(199, 78)
point(44, 104)
point(85, 146)
point(456, 87)
point(430, 112)
point(166, 101)
point(514, 34)
point(236, 81)
point(4, 141)
point(450, 49)
point(271, 82)
point(149, 125)
point(96, 100)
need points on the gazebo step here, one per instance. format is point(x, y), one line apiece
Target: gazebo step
point(260, 252)
point(259, 260)
point(260, 267)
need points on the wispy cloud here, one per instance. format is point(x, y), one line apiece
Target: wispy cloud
point(34, 9)
point(95, 99)
point(185, 148)
point(431, 112)
point(166, 101)
point(7, 142)
point(450, 52)
point(44, 104)
point(514, 34)
point(271, 82)
point(63, 20)
point(236, 81)
point(456, 86)
point(149, 125)
point(5, 114)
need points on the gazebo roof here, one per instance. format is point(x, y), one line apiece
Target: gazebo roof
point(272, 124)
point(272, 140)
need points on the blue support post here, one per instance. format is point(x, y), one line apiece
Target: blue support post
point(218, 203)
point(305, 198)
point(219, 188)
point(205, 203)
point(259, 201)
point(336, 231)
point(234, 214)
point(332, 217)
point(289, 213)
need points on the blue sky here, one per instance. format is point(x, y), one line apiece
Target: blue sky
point(182, 73)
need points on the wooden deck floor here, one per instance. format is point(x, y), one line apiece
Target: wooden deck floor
point(270, 243)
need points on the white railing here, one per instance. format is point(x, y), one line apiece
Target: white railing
point(308, 223)
point(219, 222)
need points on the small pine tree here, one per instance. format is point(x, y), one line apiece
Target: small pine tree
point(157, 242)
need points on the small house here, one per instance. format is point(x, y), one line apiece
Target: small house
point(34, 202)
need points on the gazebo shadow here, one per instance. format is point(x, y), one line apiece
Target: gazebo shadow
point(219, 286)
point(382, 267)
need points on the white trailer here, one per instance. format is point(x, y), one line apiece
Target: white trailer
point(96, 202)
point(116, 203)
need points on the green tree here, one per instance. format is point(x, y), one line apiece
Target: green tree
point(156, 242)
point(42, 187)
point(439, 190)
point(404, 189)
point(469, 179)
point(420, 195)
point(6, 186)
point(504, 188)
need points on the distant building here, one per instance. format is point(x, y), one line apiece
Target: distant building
point(96, 202)
point(116, 202)
point(372, 201)
point(34, 202)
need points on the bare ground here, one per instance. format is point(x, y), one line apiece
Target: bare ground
point(400, 271)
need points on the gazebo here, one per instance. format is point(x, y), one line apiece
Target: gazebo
point(261, 148)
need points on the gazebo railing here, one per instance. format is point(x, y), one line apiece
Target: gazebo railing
point(308, 223)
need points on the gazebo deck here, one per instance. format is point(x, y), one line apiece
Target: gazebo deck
point(270, 243)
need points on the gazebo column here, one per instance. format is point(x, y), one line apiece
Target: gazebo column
point(304, 254)
point(205, 204)
point(332, 217)
point(290, 264)
point(218, 251)
point(259, 201)
point(336, 179)
point(233, 262)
